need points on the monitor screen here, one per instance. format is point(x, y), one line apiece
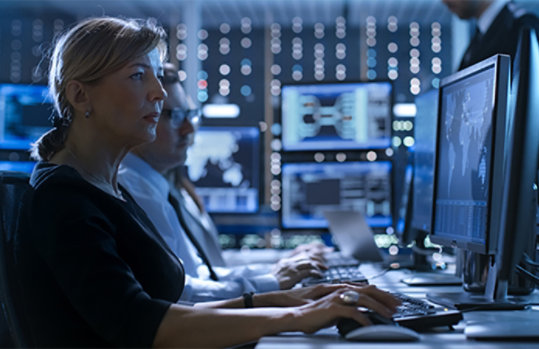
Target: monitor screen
point(19, 166)
point(310, 189)
point(24, 114)
point(424, 153)
point(223, 164)
point(336, 116)
point(473, 107)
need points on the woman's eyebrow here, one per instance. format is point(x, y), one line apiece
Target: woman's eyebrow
point(139, 64)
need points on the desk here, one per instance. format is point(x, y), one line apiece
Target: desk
point(439, 337)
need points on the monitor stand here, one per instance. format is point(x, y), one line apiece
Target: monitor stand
point(494, 298)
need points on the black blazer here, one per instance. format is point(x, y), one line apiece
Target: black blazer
point(501, 37)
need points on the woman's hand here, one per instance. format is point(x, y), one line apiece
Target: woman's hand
point(327, 310)
point(297, 296)
point(314, 249)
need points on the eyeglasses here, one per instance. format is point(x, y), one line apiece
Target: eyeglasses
point(178, 115)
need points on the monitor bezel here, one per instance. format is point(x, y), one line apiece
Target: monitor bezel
point(337, 82)
point(502, 66)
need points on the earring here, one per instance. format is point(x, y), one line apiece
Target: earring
point(87, 114)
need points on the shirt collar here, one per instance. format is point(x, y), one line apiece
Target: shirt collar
point(156, 179)
point(490, 14)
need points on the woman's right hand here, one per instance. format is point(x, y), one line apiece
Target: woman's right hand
point(327, 310)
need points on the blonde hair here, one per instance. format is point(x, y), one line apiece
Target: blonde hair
point(89, 51)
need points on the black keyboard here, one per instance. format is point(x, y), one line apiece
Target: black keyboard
point(416, 314)
point(337, 273)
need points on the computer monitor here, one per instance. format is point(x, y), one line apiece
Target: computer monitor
point(423, 155)
point(224, 165)
point(336, 116)
point(522, 164)
point(310, 189)
point(18, 166)
point(470, 171)
point(470, 156)
point(404, 209)
point(24, 114)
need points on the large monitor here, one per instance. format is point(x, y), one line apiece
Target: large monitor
point(424, 154)
point(470, 156)
point(470, 173)
point(336, 116)
point(522, 159)
point(310, 189)
point(24, 114)
point(224, 165)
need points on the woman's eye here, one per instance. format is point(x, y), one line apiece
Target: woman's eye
point(137, 76)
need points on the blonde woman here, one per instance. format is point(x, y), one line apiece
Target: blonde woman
point(93, 270)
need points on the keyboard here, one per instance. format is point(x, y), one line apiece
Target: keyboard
point(336, 274)
point(337, 259)
point(419, 314)
point(416, 314)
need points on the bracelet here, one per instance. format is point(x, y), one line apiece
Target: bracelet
point(248, 299)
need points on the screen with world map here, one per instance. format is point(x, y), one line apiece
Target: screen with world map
point(465, 156)
point(223, 163)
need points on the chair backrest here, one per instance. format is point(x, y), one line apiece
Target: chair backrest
point(15, 199)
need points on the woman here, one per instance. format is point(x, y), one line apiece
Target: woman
point(93, 270)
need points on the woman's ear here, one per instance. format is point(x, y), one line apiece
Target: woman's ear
point(77, 95)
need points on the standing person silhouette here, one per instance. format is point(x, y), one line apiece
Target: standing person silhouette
point(498, 25)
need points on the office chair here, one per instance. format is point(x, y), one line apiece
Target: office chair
point(15, 197)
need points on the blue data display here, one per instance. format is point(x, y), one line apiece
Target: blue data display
point(223, 163)
point(336, 116)
point(24, 114)
point(309, 189)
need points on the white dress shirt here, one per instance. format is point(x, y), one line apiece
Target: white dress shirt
point(150, 190)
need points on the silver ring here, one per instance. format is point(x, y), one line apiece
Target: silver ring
point(349, 297)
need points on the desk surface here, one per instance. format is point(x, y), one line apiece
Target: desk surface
point(439, 337)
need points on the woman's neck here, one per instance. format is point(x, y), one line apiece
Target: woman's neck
point(96, 161)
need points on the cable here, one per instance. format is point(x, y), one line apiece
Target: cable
point(425, 251)
point(530, 262)
point(383, 272)
point(526, 273)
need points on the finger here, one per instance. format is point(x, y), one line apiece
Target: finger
point(309, 265)
point(351, 312)
point(381, 296)
point(373, 304)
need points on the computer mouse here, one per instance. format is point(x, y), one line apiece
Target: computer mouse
point(383, 333)
point(383, 329)
point(345, 325)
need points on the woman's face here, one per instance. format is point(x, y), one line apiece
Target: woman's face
point(126, 104)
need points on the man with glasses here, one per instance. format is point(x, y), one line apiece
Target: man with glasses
point(147, 174)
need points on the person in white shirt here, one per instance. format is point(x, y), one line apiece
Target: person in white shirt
point(143, 173)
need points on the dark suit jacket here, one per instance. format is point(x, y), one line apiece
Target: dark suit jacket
point(502, 35)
